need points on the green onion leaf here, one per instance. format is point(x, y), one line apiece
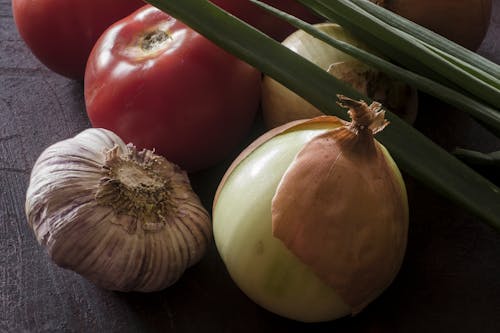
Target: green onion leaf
point(431, 38)
point(414, 153)
point(478, 158)
point(410, 47)
point(487, 115)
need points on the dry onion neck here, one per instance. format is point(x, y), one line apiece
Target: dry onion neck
point(356, 138)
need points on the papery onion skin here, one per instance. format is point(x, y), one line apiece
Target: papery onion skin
point(280, 105)
point(316, 208)
point(260, 264)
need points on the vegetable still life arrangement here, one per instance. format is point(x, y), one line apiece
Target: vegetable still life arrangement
point(187, 98)
point(173, 88)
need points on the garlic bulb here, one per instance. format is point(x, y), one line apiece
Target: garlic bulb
point(125, 219)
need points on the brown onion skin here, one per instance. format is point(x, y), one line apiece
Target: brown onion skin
point(462, 21)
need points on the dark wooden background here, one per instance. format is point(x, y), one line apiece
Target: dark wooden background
point(450, 279)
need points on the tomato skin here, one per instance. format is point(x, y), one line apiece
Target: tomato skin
point(264, 21)
point(189, 100)
point(61, 33)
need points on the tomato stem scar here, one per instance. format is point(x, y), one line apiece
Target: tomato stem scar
point(154, 40)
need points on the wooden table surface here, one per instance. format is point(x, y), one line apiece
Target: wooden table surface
point(450, 279)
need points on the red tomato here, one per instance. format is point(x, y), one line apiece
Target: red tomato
point(159, 84)
point(61, 33)
point(262, 20)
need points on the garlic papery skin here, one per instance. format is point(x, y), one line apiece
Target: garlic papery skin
point(280, 105)
point(127, 220)
point(288, 224)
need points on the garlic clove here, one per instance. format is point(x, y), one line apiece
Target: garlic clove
point(124, 219)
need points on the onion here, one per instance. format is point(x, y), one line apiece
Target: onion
point(280, 105)
point(288, 224)
point(462, 21)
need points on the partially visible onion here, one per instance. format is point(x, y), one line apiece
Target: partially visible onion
point(462, 21)
point(280, 105)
